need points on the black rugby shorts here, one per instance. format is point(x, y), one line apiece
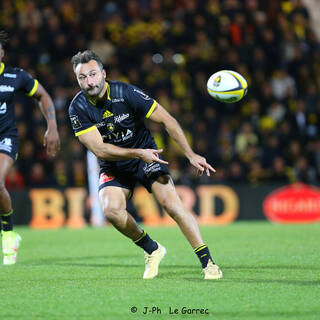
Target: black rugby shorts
point(9, 145)
point(141, 172)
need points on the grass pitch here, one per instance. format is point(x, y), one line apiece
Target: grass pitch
point(270, 272)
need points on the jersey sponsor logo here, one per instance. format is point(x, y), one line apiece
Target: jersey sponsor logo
point(107, 114)
point(3, 108)
point(121, 117)
point(104, 177)
point(6, 144)
point(128, 135)
point(10, 75)
point(118, 136)
point(100, 124)
point(117, 100)
point(76, 124)
point(142, 94)
point(4, 88)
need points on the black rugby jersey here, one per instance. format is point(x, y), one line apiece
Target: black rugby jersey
point(119, 119)
point(12, 80)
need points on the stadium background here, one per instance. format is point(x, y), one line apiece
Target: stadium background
point(169, 48)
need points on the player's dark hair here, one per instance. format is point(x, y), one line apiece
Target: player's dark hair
point(3, 37)
point(85, 57)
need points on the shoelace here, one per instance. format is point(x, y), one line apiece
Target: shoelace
point(148, 257)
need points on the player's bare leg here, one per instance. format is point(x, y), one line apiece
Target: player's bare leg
point(113, 201)
point(10, 239)
point(165, 192)
point(6, 163)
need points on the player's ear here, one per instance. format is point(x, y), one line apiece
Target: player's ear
point(104, 73)
point(1, 53)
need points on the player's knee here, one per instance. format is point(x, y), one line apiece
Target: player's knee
point(2, 187)
point(174, 209)
point(112, 213)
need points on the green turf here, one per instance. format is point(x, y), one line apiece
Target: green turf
point(270, 272)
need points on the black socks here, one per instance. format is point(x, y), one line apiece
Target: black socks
point(146, 243)
point(149, 245)
point(7, 221)
point(203, 254)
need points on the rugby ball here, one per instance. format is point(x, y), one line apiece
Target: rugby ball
point(227, 86)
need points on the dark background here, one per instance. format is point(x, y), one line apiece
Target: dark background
point(169, 49)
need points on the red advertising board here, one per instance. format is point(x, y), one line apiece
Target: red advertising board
point(295, 203)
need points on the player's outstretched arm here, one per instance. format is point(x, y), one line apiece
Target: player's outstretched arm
point(160, 115)
point(106, 151)
point(51, 138)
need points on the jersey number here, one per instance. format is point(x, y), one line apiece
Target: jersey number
point(3, 108)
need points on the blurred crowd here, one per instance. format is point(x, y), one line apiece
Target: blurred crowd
point(169, 48)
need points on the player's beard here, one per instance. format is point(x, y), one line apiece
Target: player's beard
point(95, 90)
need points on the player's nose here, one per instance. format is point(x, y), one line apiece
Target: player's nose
point(90, 82)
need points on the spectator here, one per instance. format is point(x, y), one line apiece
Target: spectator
point(245, 138)
point(14, 180)
point(177, 46)
point(37, 177)
point(280, 172)
point(102, 47)
point(304, 172)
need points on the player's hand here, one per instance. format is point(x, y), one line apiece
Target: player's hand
point(151, 155)
point(201, 164)
point(51, 140)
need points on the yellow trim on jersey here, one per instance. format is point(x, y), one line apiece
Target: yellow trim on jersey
point(108, 95)
point(90, 100)
point(7, 214)
point(108, 90)
point(79, 133)
point(151, 109)
point(1, 67)
point(33, 90)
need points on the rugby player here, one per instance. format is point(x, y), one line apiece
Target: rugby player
point(108, 118)
point(14, 80)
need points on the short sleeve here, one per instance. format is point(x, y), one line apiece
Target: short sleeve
point(80, 121)
point(28, 84)
point(140, 101)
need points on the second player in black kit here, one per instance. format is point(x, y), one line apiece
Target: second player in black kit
point(12, 81)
